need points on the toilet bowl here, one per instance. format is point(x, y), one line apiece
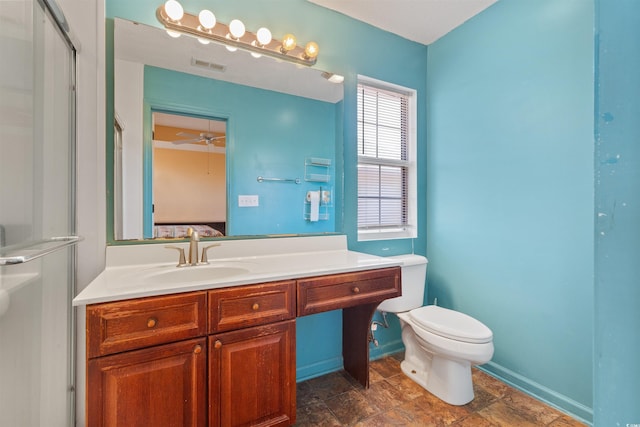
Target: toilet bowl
point(441, 345)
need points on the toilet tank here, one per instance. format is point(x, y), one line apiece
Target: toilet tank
point(414, 273)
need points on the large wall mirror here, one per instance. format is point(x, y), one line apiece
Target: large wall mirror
point(223, 141)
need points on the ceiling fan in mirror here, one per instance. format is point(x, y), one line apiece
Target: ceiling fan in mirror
point(201, 138)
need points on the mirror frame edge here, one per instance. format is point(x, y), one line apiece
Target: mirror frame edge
point(109, 61)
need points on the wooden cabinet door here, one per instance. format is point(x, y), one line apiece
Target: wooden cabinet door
point(252, 376)
point(156, 386)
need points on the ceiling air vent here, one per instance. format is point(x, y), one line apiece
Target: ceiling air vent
point(208, 65)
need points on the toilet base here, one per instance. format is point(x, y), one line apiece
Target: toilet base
point(449, 380)
point(439, 365)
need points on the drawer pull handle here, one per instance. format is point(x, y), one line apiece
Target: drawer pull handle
point(197, 349)
point(356, 290)
point(151, 322)
point(217, 344)
point(255, 306)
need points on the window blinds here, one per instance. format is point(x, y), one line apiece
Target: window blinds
point(382, 158)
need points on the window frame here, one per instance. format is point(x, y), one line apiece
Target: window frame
point(410, 230)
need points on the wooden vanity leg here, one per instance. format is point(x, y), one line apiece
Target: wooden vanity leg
point(356, 322)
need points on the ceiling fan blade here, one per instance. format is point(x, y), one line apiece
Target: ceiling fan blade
point(189, 135)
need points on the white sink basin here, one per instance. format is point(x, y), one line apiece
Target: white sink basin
point(169, 275)
point(199, 273)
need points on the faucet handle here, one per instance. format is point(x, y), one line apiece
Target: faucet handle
point(204, 259)
point(182, 261)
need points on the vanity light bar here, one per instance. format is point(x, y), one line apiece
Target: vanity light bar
point(221, 33)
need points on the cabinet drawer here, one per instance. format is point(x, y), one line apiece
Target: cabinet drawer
point(324, 293)
point(126, 325)
point(244, 306)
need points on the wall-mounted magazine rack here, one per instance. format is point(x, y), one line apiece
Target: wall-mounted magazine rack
point(316, 169)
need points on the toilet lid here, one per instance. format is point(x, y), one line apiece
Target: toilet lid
point(451, 324)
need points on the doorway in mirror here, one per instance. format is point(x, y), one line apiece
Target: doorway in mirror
point(188, 185)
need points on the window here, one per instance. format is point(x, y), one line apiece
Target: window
point(386, 161)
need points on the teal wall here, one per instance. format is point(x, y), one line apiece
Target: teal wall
point(617, 163)
point(349, 48)
point(269, 134)
point(510, 189)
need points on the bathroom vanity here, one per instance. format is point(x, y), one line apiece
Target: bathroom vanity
point(215, 344)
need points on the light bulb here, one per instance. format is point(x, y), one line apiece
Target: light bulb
point(231, 48)
point(173, 34)
point(174, 10)
point(288, 43)
point(264, 36)
point(203, 40)
point(236, 28)
point(207, 19)
point(311, 50)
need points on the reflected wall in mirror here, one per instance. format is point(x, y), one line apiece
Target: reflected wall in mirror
point(277, 116)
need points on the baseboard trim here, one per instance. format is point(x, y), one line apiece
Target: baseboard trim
point(323, 367)
point(550, 397)
point(385, 349)
point(318, 369)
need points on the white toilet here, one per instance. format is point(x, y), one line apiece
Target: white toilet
point(441, 345)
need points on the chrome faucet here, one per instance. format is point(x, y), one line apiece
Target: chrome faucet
point(192, 260)
point(194, 238)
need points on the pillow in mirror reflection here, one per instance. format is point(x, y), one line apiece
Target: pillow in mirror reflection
point(180, 231)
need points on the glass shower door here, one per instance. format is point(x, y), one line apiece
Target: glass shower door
point(37, 216)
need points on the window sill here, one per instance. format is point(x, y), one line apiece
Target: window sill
point(386, 234)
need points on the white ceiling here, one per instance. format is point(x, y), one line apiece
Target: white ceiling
point(422, 21)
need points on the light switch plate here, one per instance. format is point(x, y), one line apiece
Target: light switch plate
point(246, 201)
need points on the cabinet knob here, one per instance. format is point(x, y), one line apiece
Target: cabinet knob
point(356, 290)
point(197, 349)
point(217, 344)
point(151, 322)
point(255, 306)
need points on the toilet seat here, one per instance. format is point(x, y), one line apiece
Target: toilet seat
point(451, 324)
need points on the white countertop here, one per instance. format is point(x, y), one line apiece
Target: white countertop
point(135, 271)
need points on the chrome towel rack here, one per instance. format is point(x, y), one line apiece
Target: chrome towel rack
point(28, 251)
point(294, 180)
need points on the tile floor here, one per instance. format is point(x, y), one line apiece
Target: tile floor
point(395, 400)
